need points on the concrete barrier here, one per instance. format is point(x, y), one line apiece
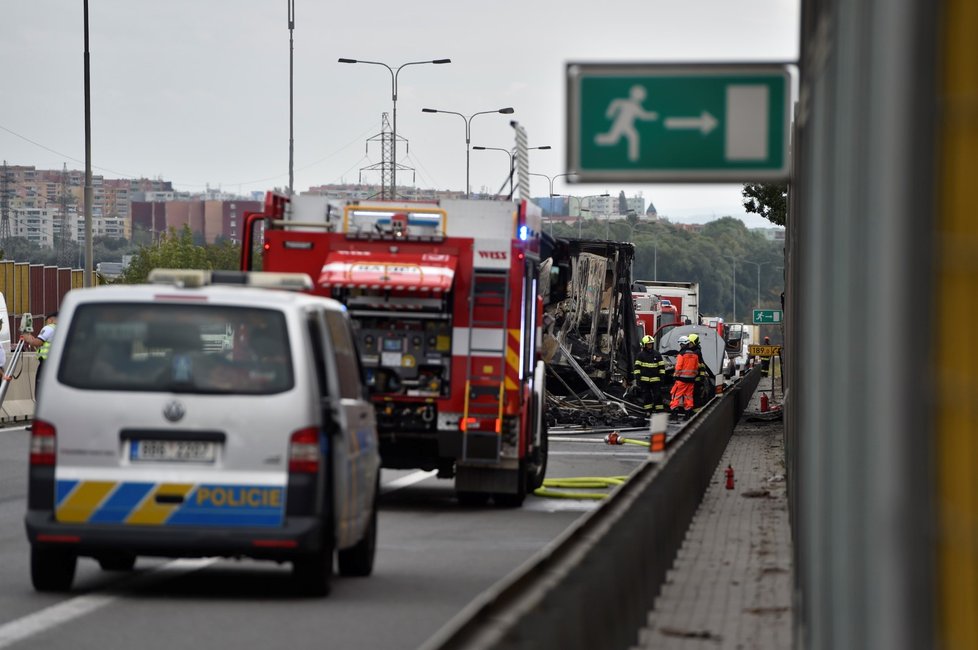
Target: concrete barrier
point(18, 404)
point(593, 586)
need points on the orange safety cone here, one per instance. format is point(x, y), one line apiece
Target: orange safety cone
point(657, 443)
point(657, 436)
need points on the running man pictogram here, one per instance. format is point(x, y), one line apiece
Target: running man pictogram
point(625, 112)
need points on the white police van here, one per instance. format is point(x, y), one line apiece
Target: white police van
point(188, 418)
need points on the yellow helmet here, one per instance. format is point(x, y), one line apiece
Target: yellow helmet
point(694, 339)
point(647, 339)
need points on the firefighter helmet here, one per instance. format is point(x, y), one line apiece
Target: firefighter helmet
point(647, 339)
point(694, 339)
point(683, 340)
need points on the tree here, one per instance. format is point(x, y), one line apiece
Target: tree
point(622, 203)
point(770, 200)
point(177, 250)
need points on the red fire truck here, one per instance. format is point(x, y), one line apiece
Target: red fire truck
point(445, 301)
point(653, 313)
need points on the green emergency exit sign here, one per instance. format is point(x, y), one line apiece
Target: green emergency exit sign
point(764, 316)
point(642, 123)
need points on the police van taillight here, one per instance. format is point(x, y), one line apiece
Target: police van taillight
point(43, 443)
point(304, 451)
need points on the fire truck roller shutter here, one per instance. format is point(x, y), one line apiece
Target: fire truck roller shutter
point(397, 271)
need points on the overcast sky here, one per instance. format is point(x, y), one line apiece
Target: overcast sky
point(197, 92)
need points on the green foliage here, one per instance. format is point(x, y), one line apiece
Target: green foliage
point(770, 200)
point(180, 250)
point(704, 254)
point(104, 249)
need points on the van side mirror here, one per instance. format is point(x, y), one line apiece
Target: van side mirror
point(26, 323)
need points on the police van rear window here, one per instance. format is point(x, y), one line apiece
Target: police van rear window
point(202, 348)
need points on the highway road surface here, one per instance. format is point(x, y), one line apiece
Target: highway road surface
point(433, 557)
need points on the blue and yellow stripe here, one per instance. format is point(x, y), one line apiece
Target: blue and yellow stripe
point(165, 504)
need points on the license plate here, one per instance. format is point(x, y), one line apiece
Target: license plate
point(179, 451)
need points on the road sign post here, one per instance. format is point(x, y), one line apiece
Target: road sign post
point(767, 316)
point(650, 123)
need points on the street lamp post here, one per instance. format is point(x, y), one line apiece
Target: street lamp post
point(550, 202)
point(733, 289)
point(632, 227)
point(580, 210)
point(607, 225)
point(394, 73)
point(758, 265)
point(468, 133)
point(512, 160)
point(291, 132)
point(87, 275)
point(580, 203)
point(550, 181)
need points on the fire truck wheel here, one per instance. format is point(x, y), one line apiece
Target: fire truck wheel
point(472, 499)
point(507, 500)
point(538, 467)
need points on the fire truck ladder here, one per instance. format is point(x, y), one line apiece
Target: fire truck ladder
point(484, 384)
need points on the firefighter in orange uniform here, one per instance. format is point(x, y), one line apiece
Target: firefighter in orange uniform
point(701, 394)
point(684, 374)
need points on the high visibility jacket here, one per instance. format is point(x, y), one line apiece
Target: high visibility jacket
point(649, 368)
point(45, 348)
point(687, 367)
point(704, 369)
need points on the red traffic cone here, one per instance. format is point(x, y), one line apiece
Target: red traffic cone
point(730, 477)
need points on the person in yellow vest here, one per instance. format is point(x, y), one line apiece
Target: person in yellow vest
point(648, 375)
point(704, 377)
point(42, 342)
point(765, 361)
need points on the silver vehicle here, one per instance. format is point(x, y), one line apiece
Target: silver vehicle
point(190, 419)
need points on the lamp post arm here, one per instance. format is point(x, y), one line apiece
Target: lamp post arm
point(389, 69)
point(398, 71)
point(468, 121)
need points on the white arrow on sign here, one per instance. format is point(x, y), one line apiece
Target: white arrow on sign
point(704, 123)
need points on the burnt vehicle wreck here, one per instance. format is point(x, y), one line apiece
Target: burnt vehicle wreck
point(590, 337)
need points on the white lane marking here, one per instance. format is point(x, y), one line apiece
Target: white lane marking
point(404, 481)
point(45, 619)
point(576, 439)
point(597, 453)
point(68, 610)
point(551, 505)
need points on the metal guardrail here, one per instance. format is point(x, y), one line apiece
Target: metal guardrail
point(593, 586)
